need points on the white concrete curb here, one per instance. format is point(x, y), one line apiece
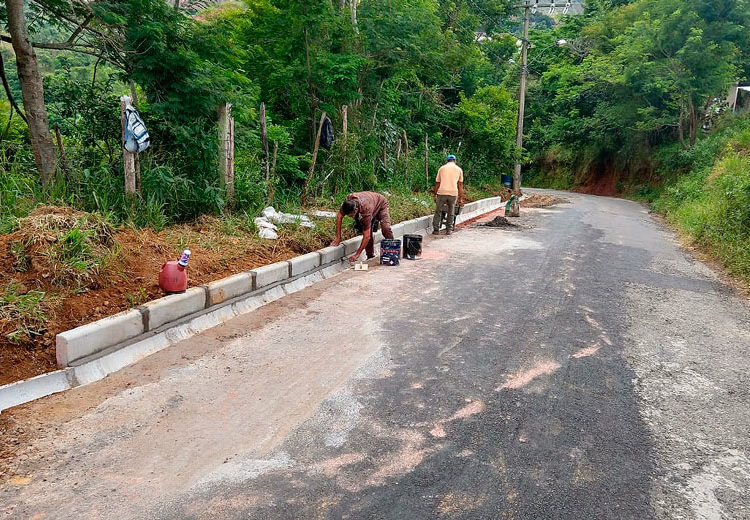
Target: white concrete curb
point(93, 351)
point(27, 390)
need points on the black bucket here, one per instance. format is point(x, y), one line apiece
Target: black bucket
point(412, 247)
point(390, 251)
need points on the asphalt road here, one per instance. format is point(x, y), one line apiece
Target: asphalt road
point(581, 366)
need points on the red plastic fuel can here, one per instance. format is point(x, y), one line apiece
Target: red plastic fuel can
point(173, 274)
point(173, 277)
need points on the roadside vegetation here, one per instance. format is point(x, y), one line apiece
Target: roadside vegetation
point(412, 75)
point(708, 195)
point(634, 104)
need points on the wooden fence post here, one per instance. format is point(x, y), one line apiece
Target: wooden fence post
point(226, 150)
point(406, 162)
point(264, 140)
point(63, 157)
point(314, 158)
point(128, 159)
point(345, 119)
point(426, 163)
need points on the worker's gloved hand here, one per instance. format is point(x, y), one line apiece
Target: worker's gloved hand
point(335, 242)
point(353, 258)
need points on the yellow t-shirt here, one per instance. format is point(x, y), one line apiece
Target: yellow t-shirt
point(449, 175)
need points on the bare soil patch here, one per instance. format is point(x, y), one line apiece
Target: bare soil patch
point(51, 282)
point(500, 222)
point(542, 201)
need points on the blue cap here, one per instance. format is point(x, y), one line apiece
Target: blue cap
point(451, 157)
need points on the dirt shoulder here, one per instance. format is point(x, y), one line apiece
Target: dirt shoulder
point(129, 280)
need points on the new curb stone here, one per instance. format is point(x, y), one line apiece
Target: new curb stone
point(398, 230)
point(411, 226)
point(304, 263)
point(425, 223)
point(351, 245)
point(88, 339)
point(269, 274)
point(30, 389)
point(331, 254)
point(174, 307)
point(228, 288)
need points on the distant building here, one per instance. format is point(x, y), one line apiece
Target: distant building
point(739, 98)
point(559, 7)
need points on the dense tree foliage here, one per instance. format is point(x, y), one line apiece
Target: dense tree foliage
point(634, 75)
point(405, 69)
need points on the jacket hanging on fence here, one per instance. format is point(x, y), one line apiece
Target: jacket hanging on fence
point(136, 136)
point(326, 134)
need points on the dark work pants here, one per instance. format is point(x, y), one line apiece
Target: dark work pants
point(385, 225)
point(444, 200)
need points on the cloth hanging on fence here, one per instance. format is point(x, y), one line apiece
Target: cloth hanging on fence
point(326, 133)
point(136, 136)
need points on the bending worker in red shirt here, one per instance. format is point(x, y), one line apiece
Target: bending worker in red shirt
point(367, 209)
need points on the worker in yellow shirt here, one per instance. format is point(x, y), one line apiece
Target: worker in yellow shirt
point(449, 189)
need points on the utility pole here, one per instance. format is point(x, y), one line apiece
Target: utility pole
point(527, 8)
point(522, 95)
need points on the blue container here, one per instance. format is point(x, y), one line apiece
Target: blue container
point(506, 180)
point(390, 251)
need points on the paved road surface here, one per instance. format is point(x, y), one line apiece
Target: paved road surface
point(580, 367)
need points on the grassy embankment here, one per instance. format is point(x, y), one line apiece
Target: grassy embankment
point(706, 194)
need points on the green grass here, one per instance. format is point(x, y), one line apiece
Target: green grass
point(27, 310)
point(136, 298)
point(74, 246)
point(709, 199)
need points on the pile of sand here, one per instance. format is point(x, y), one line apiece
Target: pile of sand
point(542, 201)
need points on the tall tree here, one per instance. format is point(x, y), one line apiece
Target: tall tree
point(32, 92)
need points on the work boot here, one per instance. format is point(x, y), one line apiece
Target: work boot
point(448, 231)
point(436, 232)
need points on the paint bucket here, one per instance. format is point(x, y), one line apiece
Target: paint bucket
point(390, 251)
point(412, 247)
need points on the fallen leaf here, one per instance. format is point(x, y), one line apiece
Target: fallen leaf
point(20, 481)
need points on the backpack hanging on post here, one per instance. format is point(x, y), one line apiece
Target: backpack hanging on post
point(136, 136)
point(326, 134)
